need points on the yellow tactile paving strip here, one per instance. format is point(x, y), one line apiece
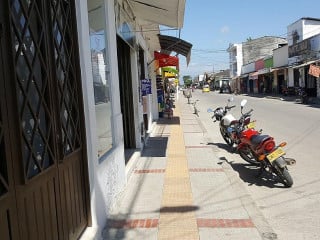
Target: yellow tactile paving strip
point(177, 220)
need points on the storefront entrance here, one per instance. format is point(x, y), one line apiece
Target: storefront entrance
point(126, 95)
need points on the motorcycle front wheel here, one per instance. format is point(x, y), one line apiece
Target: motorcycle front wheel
point(226, 137)
point(247, 155)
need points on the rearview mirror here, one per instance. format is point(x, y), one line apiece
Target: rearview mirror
point(230, 99)
point(243, 102)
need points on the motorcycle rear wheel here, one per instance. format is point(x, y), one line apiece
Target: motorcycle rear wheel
point(247, 155)
point(285, 176)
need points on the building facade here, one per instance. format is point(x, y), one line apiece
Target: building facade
point(280, 63)
point(72, 109)
point(236, 62)
point(280, 68)
point(256, 72)
point(303, 51)
point(260, 47)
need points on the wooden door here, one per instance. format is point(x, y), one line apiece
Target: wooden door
point(8, 214)
point(42, 122)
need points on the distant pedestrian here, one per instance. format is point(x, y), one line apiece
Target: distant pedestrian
point(168, 108)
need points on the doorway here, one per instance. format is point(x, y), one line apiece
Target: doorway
point(126, 95)
point(281, 83)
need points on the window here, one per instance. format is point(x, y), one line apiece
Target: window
point(100, 74)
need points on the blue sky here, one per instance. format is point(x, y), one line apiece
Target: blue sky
point(211, 25)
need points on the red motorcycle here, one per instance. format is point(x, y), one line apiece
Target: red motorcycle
point(261, 149)
point(231, 128)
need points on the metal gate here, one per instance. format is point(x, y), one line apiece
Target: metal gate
point(43, 174)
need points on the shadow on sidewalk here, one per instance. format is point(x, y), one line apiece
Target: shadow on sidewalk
point(222, 146)
point(155, 147)
point(169, 121)
point(179, 209)
point(249, 174)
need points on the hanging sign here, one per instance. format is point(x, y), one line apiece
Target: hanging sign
point(146, 87)
point(314, 70)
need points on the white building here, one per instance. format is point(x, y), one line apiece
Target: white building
point(303, 50)
point(235, 59)
point(236, 62)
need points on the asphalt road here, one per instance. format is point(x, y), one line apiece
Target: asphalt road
point(293, 213)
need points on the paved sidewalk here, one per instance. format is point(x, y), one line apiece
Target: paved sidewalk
point(178, 189)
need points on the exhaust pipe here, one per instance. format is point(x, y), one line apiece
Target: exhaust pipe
point(290, 161)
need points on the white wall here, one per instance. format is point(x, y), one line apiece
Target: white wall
point(248, 68)
point(305, 28)
point(107, 175)
point(310, 28)
point(155, 108)
point(235, 57)
point(150, 74)
point(290, 77)
point(296, 26)
point(239, 59)
point(280, 56)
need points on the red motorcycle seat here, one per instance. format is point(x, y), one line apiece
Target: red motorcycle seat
point(234, 122)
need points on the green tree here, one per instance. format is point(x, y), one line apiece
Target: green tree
point(187, 80)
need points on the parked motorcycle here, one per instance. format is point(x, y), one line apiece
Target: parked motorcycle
point(231, 128)
point(227, 121)
point(303, 96)
point(256, 147)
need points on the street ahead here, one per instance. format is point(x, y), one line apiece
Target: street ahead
point(292, 213)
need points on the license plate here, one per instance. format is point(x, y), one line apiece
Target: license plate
point(276, 154)
point(251, 125)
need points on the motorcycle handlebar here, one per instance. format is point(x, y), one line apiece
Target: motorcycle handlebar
point(247, 114)
point(228, 108)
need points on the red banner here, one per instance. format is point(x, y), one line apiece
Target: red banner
point(314, 70)
point(158, 55)
point(164, 60)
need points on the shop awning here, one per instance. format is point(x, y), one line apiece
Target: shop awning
point(165, 12)
point(304, 64)
point(170, 44)
point(278, 68)
point(253, 75)
point(170, 70)
point(164, 60)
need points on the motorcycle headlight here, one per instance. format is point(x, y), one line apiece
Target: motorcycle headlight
point(218, 114)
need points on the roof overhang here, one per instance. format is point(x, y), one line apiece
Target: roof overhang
point(244, 75)
point(170, 70)
point(304, 64)
point(151, 31)
point(165, 12)
point(278, 68)
point(253, 75)
point(170, 44)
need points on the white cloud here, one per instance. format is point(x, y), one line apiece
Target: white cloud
point(224, 29)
